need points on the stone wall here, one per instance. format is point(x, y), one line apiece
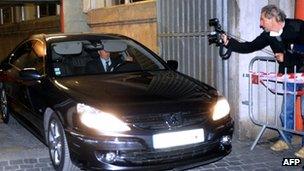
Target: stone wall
point(137, 21)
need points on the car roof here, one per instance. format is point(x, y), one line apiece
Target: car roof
point(51, 38)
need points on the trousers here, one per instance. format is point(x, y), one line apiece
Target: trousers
point(288, 110)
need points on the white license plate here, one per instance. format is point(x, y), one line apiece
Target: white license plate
point(173, 139)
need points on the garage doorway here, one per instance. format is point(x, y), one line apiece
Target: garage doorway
point(182, 36)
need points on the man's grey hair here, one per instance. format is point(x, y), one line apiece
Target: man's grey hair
point(271, 11)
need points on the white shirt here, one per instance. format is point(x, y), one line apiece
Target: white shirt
point(275, 34)
point(104, 63)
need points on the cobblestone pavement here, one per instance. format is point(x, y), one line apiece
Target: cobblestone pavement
point(20, 150)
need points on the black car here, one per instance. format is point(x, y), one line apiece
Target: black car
point(141, 114)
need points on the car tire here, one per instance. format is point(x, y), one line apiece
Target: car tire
point(4, 109)
point(58, 146)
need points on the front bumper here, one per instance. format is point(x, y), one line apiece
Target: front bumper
point(137, 153)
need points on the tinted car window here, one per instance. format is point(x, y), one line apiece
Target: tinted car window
point(72, 58)
point(26, 57)
point(35, 62)
point(19, 57)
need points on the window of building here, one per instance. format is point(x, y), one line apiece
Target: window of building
point(119, 2)
point(47, 9)
point(21, 12)
point(7, 15)
point(94, 4)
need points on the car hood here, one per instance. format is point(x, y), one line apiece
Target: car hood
point(158, 88)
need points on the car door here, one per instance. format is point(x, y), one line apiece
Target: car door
point(35, 91)
point(21, 89)
point(14, 86)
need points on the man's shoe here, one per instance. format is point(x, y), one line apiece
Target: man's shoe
point(279, 146)
point(300, 153)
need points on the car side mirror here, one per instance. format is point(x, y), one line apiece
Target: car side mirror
point(173, 64)
point(29, 74)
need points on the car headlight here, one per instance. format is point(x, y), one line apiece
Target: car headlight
point(99, 120)
point(221, 109)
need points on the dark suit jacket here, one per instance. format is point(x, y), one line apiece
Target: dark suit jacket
point(293, 33)
point(95, 66)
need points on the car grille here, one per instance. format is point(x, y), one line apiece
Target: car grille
point(160, 121)
point(167, 156)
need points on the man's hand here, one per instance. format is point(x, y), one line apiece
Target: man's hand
point(279, 57)
point(225, 39)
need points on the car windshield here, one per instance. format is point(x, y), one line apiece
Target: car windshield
point(83, 57)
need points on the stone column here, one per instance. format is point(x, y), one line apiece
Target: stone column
point(74, 20)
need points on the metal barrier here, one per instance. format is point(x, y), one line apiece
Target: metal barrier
point(266, 94)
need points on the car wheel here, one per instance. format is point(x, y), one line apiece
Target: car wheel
point(58, 147)
point(4, 107)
